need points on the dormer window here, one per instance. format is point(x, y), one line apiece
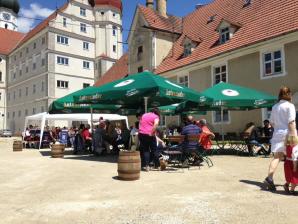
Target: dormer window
point(246, 3)
point(226, 30)
point(189, 45)
point(224, 35)
point(187, 49)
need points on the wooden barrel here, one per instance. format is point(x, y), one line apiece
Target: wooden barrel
point(129, 165)
point(17, 146)
point(57, 150)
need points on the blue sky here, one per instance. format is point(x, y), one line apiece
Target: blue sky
point(40, 9)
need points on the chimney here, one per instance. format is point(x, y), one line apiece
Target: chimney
point(150, 4)
point(161, 7)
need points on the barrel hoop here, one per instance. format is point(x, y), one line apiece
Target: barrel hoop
point(129, 161)
point(128, 171)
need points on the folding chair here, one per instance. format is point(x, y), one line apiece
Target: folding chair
point(199, 153)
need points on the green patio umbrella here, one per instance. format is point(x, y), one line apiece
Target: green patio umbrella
point(173, 109)
point(232, 97)
point(140, 90)
point(67, 105)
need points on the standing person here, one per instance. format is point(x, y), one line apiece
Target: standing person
point(282, 118)
point(290, 166)
point(72, 135)
point(148, 125)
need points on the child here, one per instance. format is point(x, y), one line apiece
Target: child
point(290, 166)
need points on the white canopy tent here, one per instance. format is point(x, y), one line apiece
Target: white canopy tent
point(43, 117)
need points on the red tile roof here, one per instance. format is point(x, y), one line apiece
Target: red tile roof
point(44, 24)
point(156, 21)
point(261, 20)
point(118, 71)
point(115, 3)
point(9, 40)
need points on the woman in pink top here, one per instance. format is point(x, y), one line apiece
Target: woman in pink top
point(148, 125)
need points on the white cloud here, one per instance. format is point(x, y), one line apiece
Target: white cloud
point(28, 17)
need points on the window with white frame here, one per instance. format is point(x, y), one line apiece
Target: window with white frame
point(62, 84)
point(220, 74)
point(85, 85)
point(114, 30)
point(266, 113)
point(43, 62)
point(83, 28)
point(162, 120)
point(64, 22)
point(217, 116)
point(114, 48)
point(62, 60)
point(187, 49)
point(82, 12)
point(86, 64)
point(183, 80)
point(85, 46)
point(62, 40)
point(273, 63)
point(224, 35)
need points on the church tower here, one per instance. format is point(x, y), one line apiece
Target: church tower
point(9, 10)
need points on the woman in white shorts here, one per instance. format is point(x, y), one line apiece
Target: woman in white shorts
point(282, 118)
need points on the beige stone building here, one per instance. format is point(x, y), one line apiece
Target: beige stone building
point(253, 43)
point(66, 52)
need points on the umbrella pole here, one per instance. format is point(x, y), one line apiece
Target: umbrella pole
point(91, 111)
point(146, 104)
point(221, 124)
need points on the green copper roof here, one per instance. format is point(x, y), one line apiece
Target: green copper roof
point(11, 4)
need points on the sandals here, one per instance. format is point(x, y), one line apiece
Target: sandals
point(286, 188)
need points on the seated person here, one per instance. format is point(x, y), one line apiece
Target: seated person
point(63, 136)
point(101, 139)
point(267, 130)
point(87, 138)
point(251, 139)
point(206, 135)
point(190, 147)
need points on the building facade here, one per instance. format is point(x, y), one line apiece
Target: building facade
point(248, 43)
point(68, 51)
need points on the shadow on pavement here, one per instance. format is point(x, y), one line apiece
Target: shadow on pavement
point(106, 159)
point(262, 186)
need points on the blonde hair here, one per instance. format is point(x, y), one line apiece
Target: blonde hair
point(291, 140)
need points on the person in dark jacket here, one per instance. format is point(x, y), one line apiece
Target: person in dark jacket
point(100, 139)
point(252, 140)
